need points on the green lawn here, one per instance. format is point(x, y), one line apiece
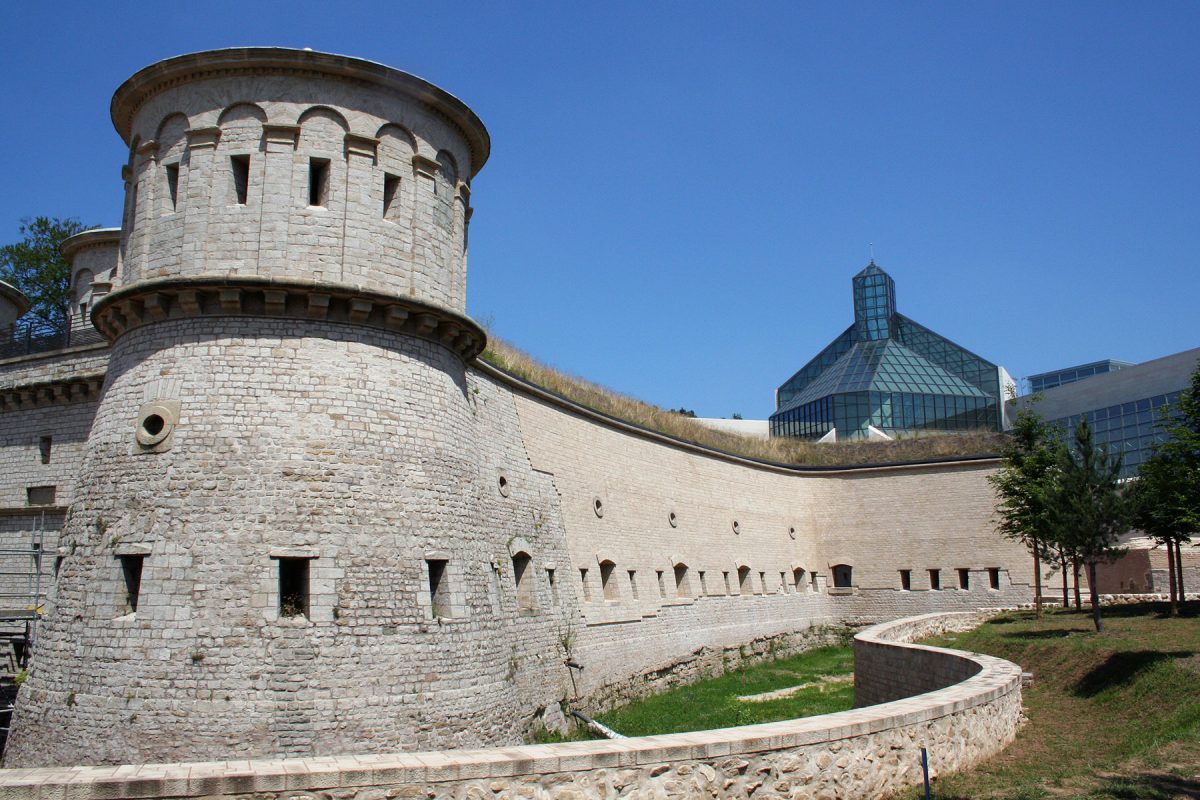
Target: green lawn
point(714, 704)
point(1112, 716)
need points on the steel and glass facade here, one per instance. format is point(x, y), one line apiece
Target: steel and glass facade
point(1128, 429)
point(1050, 380)
point(888, 372)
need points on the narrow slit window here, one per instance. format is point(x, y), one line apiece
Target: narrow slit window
point(607, 584)
point(906, 580)
point(964, 578)
point(293, 587)
point(131, 573)
point(318, 181)
point(725, 576)
point(703, 583)
point(633, 589)
point(172, 171)
point(523, 578)
point(994, 577)
point(553, 586)
point(744, 583)
point(587, 590)
point(783, 584)
point(762, 582)
point(935, 579)
point(239, 169)
point(662, 587)
point(44, 445)
point(439, 590)
point(391, 188)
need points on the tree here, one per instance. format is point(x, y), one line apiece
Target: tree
point(1022, 487)
point(1087, 507)
point(1167, 492)
point(36, 266)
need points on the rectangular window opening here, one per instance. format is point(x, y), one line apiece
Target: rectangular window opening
point(41, 495)
point(44, 445)
point(318, 181)
point(131, 571)
point(239, 168)
point(783, 584)
point(993, 577)
point(553, 586)
point(682, 587)
point(173, 185)
point(587, 590)
point(662, 587)
point(391, 187)
point(725, 576)
point(633, 583)
point(439, 595)
point(762, 582)
point(703, 583)
point(964, 578)
point(293, 587)
point(935, 579)
point(906, 580)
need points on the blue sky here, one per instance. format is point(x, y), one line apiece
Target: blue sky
point(679, 193)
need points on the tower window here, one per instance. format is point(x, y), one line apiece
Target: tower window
point(293, 587)
point(172, 171)
point(662, 587)
point(552, 584)
point(318, 181)
point(131, 571)
point(391, 187)
point(44, 445)
point(633, 583)
point(439, 594)
point(703, 583)
point(239, 169)
point(725, 577)
point(523, 578)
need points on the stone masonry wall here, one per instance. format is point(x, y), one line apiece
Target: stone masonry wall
point(853, 755)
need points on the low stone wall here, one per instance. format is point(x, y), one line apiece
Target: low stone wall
point(853, 754)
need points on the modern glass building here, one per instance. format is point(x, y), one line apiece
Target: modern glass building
point(1124, 408)
point(1050, 380)
point(890, 373)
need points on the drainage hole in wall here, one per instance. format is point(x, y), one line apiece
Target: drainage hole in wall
point(598, 507)
point(153, 424)
point(503, 486)
point(671, 518)
point(736, 528)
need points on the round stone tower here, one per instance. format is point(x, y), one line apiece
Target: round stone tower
point(277, 546)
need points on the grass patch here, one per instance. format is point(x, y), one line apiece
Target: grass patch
point(920, 447)
point(1113, 715)
point(714, 703)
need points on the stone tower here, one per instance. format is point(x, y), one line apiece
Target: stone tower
point(280, 544)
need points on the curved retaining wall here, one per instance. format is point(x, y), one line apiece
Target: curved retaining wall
point(853, 754)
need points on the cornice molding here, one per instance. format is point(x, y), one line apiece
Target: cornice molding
point(153, 301)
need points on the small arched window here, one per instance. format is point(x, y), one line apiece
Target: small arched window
point(607, 584)
point(745, 586)
point(798, 579)
point(683, 586)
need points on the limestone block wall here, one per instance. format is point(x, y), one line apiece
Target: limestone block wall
point(864, 753)
point(357, 453)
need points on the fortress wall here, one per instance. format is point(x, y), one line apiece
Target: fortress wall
point(853, 755)
point(358, 453)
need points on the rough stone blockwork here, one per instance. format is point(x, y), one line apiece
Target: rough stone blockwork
point(854, 754)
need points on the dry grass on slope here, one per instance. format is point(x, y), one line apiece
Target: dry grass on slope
point(785, 451)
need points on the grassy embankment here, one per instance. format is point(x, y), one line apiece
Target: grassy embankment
point(930, 445)
point(1112, 716)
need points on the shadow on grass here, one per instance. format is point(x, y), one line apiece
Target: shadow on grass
point(1148, 787)
point(1120, 669)
point(1053, 633)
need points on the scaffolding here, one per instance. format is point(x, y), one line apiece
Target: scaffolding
point(21, 601)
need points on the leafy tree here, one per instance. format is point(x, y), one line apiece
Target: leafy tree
point(1087, 507)
point(1167, 492)
point(1023, 486)
point(36, 266)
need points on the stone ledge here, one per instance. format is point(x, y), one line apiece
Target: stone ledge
point(179, 298)
point(33, 395)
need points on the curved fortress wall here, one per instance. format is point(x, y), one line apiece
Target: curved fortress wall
point(304, 525)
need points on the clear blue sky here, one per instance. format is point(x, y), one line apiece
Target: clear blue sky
point(679, 193)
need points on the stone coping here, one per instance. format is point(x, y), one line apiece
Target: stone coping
point(261, 61)
point(16, 301)
point(995, 679)
point(89, 238)
point(533, 390)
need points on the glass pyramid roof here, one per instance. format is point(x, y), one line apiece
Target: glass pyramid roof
point(883, 365)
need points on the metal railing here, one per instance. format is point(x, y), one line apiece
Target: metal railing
point(29, 336)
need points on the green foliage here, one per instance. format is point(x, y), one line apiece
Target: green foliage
point(713, 703)
point(1166, 496)
point(1087, 508)
point(1025, 481)
point(36, 266)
